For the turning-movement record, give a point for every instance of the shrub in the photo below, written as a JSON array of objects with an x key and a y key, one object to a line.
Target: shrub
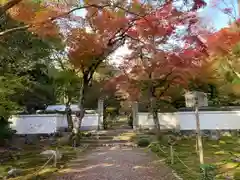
[
  {"x": 5, "y": 131},
  {"x": 208, "y": 171},
  {"x": 143, "y": 142},
  {"x": 87, "y": 134},
  {"x": 107, "y": 117},
  {"x": 163, "y": 138},
  {"x": 112, "y": 112},
  {"x": 154, "y": 147}
]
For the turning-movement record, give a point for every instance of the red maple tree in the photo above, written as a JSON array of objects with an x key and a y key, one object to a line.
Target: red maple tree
[{"x": 155, "y": 65}]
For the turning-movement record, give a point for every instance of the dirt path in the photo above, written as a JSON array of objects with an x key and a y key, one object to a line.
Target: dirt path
[{"x": 116, "y": 163}]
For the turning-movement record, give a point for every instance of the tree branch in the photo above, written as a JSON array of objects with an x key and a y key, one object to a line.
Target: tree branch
[
  {"x": 163, "y": 81},
  {"x": 61, "y": 64},
  {"x": 14, "y": 2},
  {"x": 8, "y": 31},
  {"x": 110, "y": 50},
  {"x": 49, "y": 19}
]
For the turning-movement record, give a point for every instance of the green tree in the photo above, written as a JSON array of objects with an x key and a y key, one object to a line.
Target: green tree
[
  {"x": 9, "y": 85},
  {"x": 40, "y": 91},
  {"x": 26, "y": 55},
  {"x": 23, "y": 77}
]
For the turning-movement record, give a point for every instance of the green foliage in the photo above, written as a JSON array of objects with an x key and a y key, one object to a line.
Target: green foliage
[
  {"x": 105, "y": 124},
  {"x": 5, "y": 131},
  {"x": 67, "y": 84},
  {"x": 208, "y": 171},
  {"x": 86, "y": 134},
  {"x": 92, "y": 95},
  {"x": 24, "y": 55},
  {"x": 143, "y": 142},
  {"x": 40, "y": 92},
  {"x": 10, "y": 84},
  {"x": 111, "y": 112},
  {"x": 24, "y": 83}
]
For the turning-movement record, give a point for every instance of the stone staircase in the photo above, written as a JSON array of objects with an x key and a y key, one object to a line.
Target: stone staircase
[
  {"x": 121, "y": 125},
  {"x": 120, "y": 134}
]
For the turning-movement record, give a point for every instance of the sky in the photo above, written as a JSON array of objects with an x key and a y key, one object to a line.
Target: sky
[{"x": 218, "y": 18}]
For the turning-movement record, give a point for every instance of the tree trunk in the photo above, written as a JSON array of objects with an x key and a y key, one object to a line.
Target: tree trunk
[
  {"x": 154, "y": 112},
  {"x": 77, "y": 121},
  {"x": 69, "y": 116},
  {"x": 153, "y": 105},
  {"x": 68, "y": 111}
]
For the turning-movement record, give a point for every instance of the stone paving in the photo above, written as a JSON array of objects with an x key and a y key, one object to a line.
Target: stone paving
[{"x": 116, "y": 163}]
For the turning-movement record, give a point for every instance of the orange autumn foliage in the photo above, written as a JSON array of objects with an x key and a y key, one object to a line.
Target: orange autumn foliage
[
  {"x": 23, "y": 11},
  {"x": 38, "y": 17},
  {"x": 223, "y": 58},
  {"x": 223, "y": 41},
  {"x": 49, "y": 28},
  {"x": 84, "y": 47}
]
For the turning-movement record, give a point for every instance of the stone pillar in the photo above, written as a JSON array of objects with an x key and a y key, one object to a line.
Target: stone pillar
[
  {"x": 100, "y": 114},
  {"x": 135, "y": 114}
]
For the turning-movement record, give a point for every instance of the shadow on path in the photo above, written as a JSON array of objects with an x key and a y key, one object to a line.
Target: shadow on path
[{"x": 116, "y": 163}]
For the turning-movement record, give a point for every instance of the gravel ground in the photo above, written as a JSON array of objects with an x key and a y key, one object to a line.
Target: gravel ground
[{"x": 116, "y": 163}]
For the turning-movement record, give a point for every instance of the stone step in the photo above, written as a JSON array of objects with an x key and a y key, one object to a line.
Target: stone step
[
  {"x": 105, "y": 137},
  {"x": 120, "y": 123},
  {"x": 123, "y": 144},
  {"x": 122, "y": 127},
  {"x": 110, "y": 132},
  {"x": 116, "y": 137},
  {"x": 102, "y": 141}
]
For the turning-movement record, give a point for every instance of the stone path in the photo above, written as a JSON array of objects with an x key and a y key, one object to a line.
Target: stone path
[{"x": 116, "y": 163}]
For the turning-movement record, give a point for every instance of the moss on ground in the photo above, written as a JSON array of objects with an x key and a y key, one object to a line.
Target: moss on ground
[
  {"x": 217, "y": 153},
  {"x": 30, "y": 162}
]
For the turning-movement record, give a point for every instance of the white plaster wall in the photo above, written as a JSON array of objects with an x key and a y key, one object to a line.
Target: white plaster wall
[
  {"x": 210, "y": 120},
  {"x": 187, "y": 121},
  {"x": 166, "y": 120},
  {"x": 62, "y": 121},
  {"x": 89, "y": 120},
  {"x": 35, "y": 124},
  {"x": 48, "y": 123}
]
